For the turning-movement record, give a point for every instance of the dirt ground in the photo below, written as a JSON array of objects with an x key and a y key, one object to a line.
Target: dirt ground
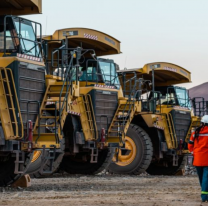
[{"x": 106, "y": 190}]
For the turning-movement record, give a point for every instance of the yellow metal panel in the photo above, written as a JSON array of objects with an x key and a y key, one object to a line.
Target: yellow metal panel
[
  {"x": 166, "y": 74},
  {"x": 4, "y": 113},
  {"x": 20, "y": 7},
  {"x": 102, "y": 43},
  {"x": 5, "y": 61},
  {"x": 46, "y": 139}
]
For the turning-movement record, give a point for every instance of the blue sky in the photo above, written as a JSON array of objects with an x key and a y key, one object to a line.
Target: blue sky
[{"x": 174, "y": 31}]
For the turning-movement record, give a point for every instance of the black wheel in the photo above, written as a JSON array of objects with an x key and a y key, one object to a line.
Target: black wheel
[
  {"x": 35, "y": 162},
  {"x": 139, "y": 145},
  {"x": 34, "y": 169},
  {"x": 35, "y": 166},
  {"x": 75, "y": 165},
  {"x": 167, "y": 168},
  {"x": 7, "y": 167}
]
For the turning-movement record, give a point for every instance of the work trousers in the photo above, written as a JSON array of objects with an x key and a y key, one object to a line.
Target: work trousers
[{"x": 203, "y": 179}]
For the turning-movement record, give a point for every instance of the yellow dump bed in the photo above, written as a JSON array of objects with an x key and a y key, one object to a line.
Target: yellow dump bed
[
  {"x": 165, "y": 73},
  {"x": 20, "y": 7},
  {"x": 102, "y": 43}
]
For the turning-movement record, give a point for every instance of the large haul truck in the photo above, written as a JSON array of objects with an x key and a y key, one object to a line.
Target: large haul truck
[
  {"x": 21, "y": 81},
  {"x": 158, "y": 144},
  {"x": 98, "y": 113}
]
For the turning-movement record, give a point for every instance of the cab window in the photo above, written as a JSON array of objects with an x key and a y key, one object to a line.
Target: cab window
[{"x": 27, "y": 38}]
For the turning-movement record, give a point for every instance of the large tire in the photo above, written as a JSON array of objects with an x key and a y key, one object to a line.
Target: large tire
[
  {"x": 7, "y": 167},
  {"x": 71, "y": 166},
  {"x": 34, "y": 169},
  {"x": 37, "y": 165},
  {"x": 158, "y": 168},
  {"x": 140, "y": 156}
]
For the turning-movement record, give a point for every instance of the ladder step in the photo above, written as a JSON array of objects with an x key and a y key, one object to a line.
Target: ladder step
[
  {"x": 113, "y": 136},
  {"x": 52, "y": 109},
  {"x": 53, "y": 101},
  {"x": 111, "y": 108},
  {"x": 48, "y": 117},
  {"x": 20, "y": 162},
  {"x": 48, "y": 125},
  {"x": 56, "y": 92},
  {"x": 120, "y": 120}
]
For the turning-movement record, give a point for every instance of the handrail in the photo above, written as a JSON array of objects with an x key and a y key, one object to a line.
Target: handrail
[
  {"x": 20, "y": 19},
  {"x": 16, "y": 101},
  {"x": 92, "y": 111},
  {"x": 93, "y": 116},
  {"x": 200, "y": 108},
  {"x": 131, "y": 99},
  {"x": 67, "y": 79},
  {"x": 173, "y": 130},
  {"x": 169, "y": 127}
]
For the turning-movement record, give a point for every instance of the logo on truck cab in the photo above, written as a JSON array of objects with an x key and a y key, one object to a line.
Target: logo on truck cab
[{"x": 170, "y": 69}]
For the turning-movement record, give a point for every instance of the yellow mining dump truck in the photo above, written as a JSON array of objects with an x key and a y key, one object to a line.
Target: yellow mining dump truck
[
  {"x": 158, "y": 143},
  {"x": 22, "y": 75},
  {"x": 84, "y": 92}
]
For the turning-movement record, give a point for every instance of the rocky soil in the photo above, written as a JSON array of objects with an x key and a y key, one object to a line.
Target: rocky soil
[{"x": 106, "y": 189}]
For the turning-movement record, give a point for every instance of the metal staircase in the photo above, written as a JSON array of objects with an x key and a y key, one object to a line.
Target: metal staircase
[
  {"x": 10, "y": 120},
  {"x": 121, "y": 121},
  {"x": 57, "y": 94},
  {"x": 125, "y": 112},
  {"x": 169, "y": 131},
  {"x": 87, "y": 117}
]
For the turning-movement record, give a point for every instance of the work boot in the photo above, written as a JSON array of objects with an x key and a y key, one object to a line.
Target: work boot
[{"x": 204, "y": 198}]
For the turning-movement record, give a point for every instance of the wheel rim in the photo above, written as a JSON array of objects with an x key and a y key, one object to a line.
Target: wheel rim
[
  {"x": 124, "y": 160},
  {"x": 36, "y": 155}
]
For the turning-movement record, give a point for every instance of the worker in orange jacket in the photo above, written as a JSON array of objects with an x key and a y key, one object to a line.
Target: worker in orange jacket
[{"x": 198, "y": 146}]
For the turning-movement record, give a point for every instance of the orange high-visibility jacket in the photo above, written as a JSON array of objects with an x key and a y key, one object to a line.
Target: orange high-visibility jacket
[{"x": 199, "y": 147}]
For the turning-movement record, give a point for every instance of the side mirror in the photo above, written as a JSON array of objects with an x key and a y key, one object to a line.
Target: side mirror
[{"x": 93, "y": 56}]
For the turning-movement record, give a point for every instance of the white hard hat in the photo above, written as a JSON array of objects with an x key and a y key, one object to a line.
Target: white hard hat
[{"x": 205, "y": 119}]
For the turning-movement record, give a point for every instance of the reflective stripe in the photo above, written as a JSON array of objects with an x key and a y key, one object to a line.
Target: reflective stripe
[
  {"x": 201, "y": 135},
  {"x": 191, "y": 142},
  {"x": 204, "y": 193}
]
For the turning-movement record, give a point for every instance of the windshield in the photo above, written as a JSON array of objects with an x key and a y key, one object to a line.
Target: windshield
[
  {"x": 9, "y": 41},
  {"x": 109, "y": 73},
  {"x": 88, "y": 71},
  {"x": 28, "y": 42},
  {"x": 183, "y": 98},
  {"x": 171, "y": 96}
]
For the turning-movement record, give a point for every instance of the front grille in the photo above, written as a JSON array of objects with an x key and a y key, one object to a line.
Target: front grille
[
  {"x": 182, "y": 122},
  {"x": 31, "y": 88},
  {"x": 105, "y": 104}
]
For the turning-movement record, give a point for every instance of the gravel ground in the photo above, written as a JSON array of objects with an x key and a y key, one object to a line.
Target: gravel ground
[{"x": 106, "y": 190}]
